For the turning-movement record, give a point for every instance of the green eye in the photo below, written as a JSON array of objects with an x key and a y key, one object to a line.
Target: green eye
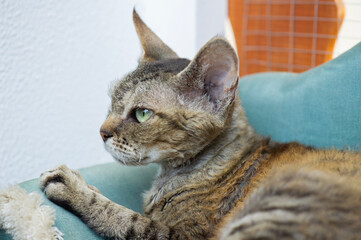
[{"x": 143, "y": 114}]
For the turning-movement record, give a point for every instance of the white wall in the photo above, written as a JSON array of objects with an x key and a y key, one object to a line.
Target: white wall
[
  {"x": 56, "y": 61},
  {"x": 211, "y": 19},
  {"x": 350, "y": 32},
  {"x": 173, "y": 21}
]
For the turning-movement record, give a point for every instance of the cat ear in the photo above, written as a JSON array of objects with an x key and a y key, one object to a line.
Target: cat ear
[
  {"x": 153, "y": 48},
  {"x": 214, "y": 71}
]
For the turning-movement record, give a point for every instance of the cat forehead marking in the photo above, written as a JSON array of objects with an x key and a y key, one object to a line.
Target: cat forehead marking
[
  {"x": 148, "y": 71},
  {"x": 143, "y": 81},
  {"x": 147, "y": 85}
]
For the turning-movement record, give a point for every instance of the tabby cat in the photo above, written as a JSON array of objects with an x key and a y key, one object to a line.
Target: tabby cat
[{"x": 218, "y": 179}]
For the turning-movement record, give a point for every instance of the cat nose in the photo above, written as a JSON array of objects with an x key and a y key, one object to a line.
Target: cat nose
[
  {"x": 108, "y": 128},
  {"x": 105, "y": 135}
]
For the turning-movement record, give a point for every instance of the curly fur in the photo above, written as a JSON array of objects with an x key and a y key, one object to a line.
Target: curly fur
[{"x": 25, "y": 218}]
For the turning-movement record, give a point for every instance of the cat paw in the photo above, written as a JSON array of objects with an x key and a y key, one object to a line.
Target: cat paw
[{"x": 63, "y": 185}]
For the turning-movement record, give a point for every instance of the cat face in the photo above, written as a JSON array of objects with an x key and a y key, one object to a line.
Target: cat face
[{"x": 169, "y": 108}]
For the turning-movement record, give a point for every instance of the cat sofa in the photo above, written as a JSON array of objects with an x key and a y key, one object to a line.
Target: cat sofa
[{"x": 320, "y": 107}]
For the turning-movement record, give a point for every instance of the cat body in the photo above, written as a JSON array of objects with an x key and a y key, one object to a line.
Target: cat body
[
  {"x": 218, "y": 179},
  {"x": 202, "y": 199}
]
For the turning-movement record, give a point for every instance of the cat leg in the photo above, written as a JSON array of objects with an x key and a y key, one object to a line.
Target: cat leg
[{"x": 68, "y": 189}]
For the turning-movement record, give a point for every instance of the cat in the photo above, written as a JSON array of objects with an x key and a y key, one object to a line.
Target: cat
[{"x": 218, "y": 179}]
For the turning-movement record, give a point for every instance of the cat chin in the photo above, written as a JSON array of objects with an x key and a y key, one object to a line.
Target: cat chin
[
  {"x": 123, "y": 158},
  {"x": 141, "y": 157},
  {"x": 129, "y": 159}
]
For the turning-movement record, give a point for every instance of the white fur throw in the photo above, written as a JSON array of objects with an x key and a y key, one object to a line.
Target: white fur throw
[{"x": 22, "y": 216}]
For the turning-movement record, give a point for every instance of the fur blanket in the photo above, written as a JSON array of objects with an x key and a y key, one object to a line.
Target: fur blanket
[{"x": 24, "y": 217}]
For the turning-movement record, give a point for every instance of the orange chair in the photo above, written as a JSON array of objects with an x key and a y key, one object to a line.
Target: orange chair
[{"x": 284, "y": 35}]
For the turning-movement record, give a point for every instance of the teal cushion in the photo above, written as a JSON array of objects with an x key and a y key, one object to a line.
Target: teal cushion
[
  {"x": 123, "y": 185},
  {"x": 320, "y": 107}
]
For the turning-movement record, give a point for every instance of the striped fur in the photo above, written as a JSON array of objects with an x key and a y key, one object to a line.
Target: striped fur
[{"x": 218, "y": 179}]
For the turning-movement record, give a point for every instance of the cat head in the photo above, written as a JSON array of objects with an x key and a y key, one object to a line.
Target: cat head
[{"x": 169, "y": 108}]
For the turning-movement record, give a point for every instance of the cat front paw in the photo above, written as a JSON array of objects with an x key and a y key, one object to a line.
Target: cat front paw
[{"x": 63, "y": 186}]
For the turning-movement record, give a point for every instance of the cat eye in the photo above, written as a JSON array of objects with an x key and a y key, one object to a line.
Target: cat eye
[{"x": 143, "y": 114}]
